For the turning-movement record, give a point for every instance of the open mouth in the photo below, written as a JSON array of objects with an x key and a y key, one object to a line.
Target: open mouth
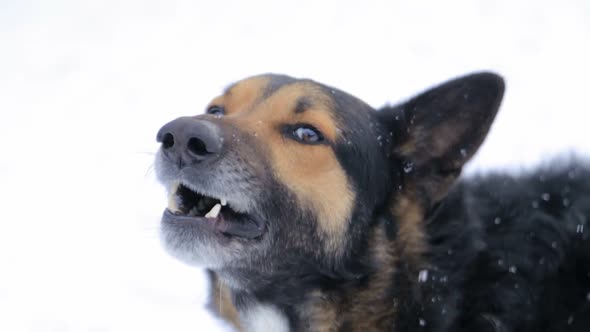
[{"x": 187, "y": 205}]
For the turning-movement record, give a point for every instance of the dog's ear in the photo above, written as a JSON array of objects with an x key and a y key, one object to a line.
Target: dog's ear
[{"x": 435, "y": 133}]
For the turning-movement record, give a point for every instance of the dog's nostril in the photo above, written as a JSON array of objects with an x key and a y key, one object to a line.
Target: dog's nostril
[
  {"x": 168, "y": 141},
  {"x": 197, "y": 147}
]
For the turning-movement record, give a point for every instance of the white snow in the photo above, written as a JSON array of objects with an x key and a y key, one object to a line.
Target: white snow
[
  {"x": 423, "y": 276},
  {"x": 85, "y": 85}
]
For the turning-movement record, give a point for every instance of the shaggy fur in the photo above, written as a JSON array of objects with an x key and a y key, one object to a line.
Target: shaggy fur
[
  {"x": 508, "y": 254},
  {"x": 312, "y": 211}
]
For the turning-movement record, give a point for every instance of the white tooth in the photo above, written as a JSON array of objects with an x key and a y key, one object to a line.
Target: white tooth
[
  {"x": 214, "y": 211},
  {"x": 172, "y": 198},
  {"x": 174, "y": 187},
  {"x": 223, "y": 202}
]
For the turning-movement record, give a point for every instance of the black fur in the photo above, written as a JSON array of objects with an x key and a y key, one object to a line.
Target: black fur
[
  {"x": 501, "y": 253},
  {"x": 508, "y": 254}
]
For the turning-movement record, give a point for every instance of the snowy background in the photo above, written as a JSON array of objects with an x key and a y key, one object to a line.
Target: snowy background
[{"x": 84, "y": 86}]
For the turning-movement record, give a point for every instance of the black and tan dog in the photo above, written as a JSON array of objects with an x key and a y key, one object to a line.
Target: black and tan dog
[{"x": 315, "y": 212}]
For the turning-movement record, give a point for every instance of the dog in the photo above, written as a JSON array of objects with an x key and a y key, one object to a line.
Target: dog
[{"x": 313, "y": 211}]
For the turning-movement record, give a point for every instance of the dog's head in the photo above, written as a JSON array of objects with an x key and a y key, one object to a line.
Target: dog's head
[{"x": 282, "y": 173}]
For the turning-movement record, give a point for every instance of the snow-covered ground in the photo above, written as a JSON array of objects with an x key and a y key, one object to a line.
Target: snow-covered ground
[{"x": 84, "y": 86}]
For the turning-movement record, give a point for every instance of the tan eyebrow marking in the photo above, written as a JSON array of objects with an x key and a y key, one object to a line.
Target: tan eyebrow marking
[{"x": 243, "y": 95}]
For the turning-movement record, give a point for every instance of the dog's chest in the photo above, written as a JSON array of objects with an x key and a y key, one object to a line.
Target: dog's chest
[{"x": 262, "y": 318}]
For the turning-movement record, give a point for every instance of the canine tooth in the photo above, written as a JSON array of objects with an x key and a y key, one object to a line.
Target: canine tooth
[
  {"x": 172, "y": 199},
  {"x": 223, "y": 202},
  {"x": 214, "y": 211}
]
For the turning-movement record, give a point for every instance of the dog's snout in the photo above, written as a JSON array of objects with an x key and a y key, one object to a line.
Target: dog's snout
[{"x": 190, "y": 140}]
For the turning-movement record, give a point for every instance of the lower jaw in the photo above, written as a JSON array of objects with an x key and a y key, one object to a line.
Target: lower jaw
[
  {"x": 246, "y": 229},
  {"x": 174, "y": 218}
]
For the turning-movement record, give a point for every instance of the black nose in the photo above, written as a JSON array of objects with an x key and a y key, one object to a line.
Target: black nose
[{"x": 188, "y": 140}]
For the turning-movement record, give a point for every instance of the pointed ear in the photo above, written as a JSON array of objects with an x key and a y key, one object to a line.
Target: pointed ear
[{"x": 436, "y": 132}]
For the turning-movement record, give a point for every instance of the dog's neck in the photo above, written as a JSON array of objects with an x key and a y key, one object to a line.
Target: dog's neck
[{"x": 304, "y": 303}]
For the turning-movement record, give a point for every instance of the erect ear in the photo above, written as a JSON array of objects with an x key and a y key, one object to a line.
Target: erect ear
[{"x": 436, "y": 132}]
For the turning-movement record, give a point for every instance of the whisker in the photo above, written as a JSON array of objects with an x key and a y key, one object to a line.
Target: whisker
[
  {"x": 149, "y": 170},
  {"x": 149, "y": 153}
]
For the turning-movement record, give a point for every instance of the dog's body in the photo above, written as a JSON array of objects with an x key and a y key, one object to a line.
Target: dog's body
[{"x": 314, "y": 212}]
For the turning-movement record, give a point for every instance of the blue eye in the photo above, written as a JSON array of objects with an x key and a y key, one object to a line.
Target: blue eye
[
  {"x": 307, "y": 134},
  {"x": 216, "y": 110}
]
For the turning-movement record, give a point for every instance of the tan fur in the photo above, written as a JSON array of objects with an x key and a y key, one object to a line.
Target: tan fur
[
  {"x": 409, "y": 214},
  {"x": 363, "y": 307},
  {"x": 312, "y": 172},
  {"x": 222, "y": 303},
  {"x": 425, "y": 144},
  {"x": 242, "y": 96},
  {"x": 260, "y": 114},
  {"x": 366, "y": 305},
  {"x": 322, "y": 313}
]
